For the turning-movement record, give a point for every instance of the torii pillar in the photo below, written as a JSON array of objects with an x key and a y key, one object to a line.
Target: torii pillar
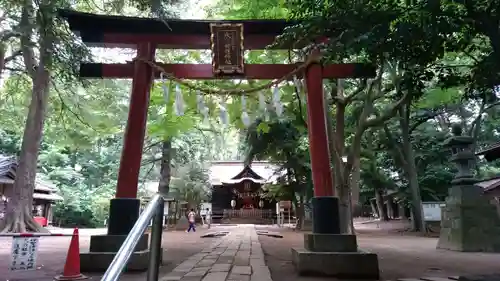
[
  {"x": 327, "y": 251},
  {"x": 124, "y": 208}
]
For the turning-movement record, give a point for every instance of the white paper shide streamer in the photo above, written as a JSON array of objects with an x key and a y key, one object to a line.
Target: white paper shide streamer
[
  {"x": 166, "y": 90},
  {"x": 297, "y": 84},
  {"x": 179, "y": 101},
  {"x": 278, "y": 106},
  {"x": 200, "y": 104},
  {"x": 202, "y": 107},
  {"x": 205, "y": 116},
  {"x": 245, "y": 119},
  {"x": 203, "y": 110},
  {"x": 263, "y": 106},
  {"x": 224, "y": 116}
]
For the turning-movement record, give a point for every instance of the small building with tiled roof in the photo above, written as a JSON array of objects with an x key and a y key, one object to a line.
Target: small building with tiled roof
[
  {"x": 490, "y": 186},
  {"x": 490, "y": 153},
  {"x": 44, "y": 195}
]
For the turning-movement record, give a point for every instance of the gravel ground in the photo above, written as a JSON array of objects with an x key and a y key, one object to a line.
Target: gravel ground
[
  {"x": 401, "y": 254},
  {"x": 177, "y": 245}
]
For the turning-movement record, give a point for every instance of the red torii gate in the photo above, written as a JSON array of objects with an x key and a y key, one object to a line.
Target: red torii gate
[{"x": 147, "y": 35}]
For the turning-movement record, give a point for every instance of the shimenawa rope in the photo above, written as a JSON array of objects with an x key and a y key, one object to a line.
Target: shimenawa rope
[{"x": 205, "y": 90}]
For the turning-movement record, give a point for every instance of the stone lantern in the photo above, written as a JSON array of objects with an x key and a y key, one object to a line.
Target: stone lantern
[
  {"x": 469, "y": 222},
  {"x": 462, "y": 155}
]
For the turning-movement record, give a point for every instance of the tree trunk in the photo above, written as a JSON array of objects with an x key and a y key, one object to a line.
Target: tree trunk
[
  {"x": 2, "y": 59},
  {"x": 336, "y": 148},
  {"x": 18, "y": 217},
  {"x": 341, "y": 188},
  {"x": 165, "y": 167},
  {"x": 411, "y": 171},
  {"x": 373, "y": 205},
  {"x": 351, "y": 175},
  {"x": 474, "y": 133},
  {"x": 379, "y": 199},
  {"x": 354, "y": 190}
]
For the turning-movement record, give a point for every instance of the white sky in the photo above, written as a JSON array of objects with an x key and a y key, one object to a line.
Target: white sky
[{"x": 195, "y": 10}]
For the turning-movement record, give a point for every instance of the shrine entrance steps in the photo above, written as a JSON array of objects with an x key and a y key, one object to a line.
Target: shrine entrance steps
[{"x": 258, "y": 221}]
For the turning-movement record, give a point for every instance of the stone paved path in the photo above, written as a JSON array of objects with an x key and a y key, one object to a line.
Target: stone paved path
[{"x": 235, "y": 257}]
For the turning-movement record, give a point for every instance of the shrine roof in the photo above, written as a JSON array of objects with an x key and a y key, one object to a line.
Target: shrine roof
[
  {"x": 44, "y": 189},
  {"x": 93, "y": 27},
  {"x": 489, "y": 185},
  {"x": 8, "y": 167},
  {"x": 227, "y": 172},
  {"x": 491, "y": 153}
]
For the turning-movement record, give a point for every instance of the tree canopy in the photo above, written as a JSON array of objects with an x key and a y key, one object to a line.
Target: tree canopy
[{"x": 437, "y": 64}]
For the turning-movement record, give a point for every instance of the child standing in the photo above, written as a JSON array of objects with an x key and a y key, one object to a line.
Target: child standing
[{"x": 191, "y": 219}]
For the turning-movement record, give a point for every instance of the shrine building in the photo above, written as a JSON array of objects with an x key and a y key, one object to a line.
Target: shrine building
[
  {"x": 491, "y": 186},
  {"x": 237, "y": 191}
]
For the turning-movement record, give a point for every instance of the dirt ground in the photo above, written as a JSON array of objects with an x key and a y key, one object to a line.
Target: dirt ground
[
  {"x": 177, "y": 245},
  {"x": 401, "y": 254}
]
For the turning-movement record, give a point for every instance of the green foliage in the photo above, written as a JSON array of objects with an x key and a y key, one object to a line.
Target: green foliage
[
  {"x": 284, "y": 144},
  {"x": 444, "y": 55},
  {"x": 191, "y": 184},
  {"x": 248, "y": 9}
]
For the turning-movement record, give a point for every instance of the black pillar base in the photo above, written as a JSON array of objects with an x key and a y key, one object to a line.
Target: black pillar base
[
  {"x": 325, "y": 213},
  {"x": 123, "y": 213},
  {"x": 329, "y": 253}
]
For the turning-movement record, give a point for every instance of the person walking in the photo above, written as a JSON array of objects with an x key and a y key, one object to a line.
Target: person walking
[
  {"x": 208, "y": 218},
  {"x": 191, "y": 219}
]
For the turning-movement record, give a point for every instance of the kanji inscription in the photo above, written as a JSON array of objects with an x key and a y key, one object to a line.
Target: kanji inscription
[
  {"x": 227, "y": 48},
  {"x": 24, "y": 250}
]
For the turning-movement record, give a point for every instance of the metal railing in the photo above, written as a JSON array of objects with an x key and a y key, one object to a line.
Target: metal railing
[{"x": 153, "y": 209}]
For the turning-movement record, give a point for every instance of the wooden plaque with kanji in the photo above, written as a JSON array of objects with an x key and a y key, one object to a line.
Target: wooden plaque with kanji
[{"x": 227, "y": 48}]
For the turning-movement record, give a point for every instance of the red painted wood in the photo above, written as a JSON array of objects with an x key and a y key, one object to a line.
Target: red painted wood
[
  {"x": 120, "y": 40},
  {"x": 318, "y": 138},
  {"x": 204, "y": 71},
  {"x": 130, "y": 163}
]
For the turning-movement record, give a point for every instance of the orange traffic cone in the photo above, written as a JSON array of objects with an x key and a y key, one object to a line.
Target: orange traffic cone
[{"x": 72, "y": 265}]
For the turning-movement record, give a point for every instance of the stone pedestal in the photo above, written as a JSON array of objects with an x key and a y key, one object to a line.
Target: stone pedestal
[
  {"x": 327, "y": 253},
  {"x": 469, "y": 221},
  {"x": 123, "y": 214},
  {"x": 335, "y": 255},
  {"x": 103, "y": 249}
]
